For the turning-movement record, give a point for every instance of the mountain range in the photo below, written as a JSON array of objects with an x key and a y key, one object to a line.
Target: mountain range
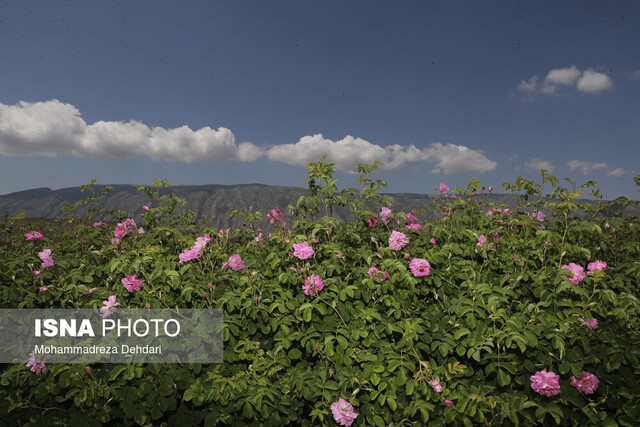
[{"x": 213, "y": 201}]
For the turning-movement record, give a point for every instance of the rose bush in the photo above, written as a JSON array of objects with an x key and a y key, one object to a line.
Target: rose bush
[{"x": 328, "y": 323}]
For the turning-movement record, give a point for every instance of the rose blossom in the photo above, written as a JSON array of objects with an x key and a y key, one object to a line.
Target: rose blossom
[
  {"x": 132, "y": 283},
  {"x": 545, "y": 383},
  {"x": 597, "y": 266},
  {"x": 312, "y": 285},
  {"x": 373, "y": 272},
  {"x": 398, "y": 240},
  {"x": 577, "y": 273},
  {"x": 37, "y": 366},
  {"x": 302, "y": 250},
  {"x": 444, "y": 189},
  {"x": 419, "y": 267},
  {"x": 384, "y": 213},
  {"x": 235, "y": 262},
  {"x": 436, "y": 386},
  {"x": 36, "y": 235},
  {"x": 45, "y": 256},
  {"x": 343, "y": 412},
  {"x": 109, "y": 305},
  {"x": 587, "y": 383}
]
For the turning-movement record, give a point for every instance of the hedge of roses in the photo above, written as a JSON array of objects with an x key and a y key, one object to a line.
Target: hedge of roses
[{"x": 484, "y": 316}]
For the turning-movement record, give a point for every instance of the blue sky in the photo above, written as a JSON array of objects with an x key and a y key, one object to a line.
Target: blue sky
[{"x": 231, "y": 92}]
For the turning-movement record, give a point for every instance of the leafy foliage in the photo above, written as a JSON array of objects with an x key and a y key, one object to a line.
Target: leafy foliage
[{"x": 487, "y": 317}]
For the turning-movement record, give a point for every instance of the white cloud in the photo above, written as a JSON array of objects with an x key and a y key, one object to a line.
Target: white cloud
[
  {"x": 562, "y": 80},
  {"x": 348, "y": 152},
  {"x": 592, "y": 81},
  {"x": 53, "y": 128},
  {"x": 586, "y": 167},
  {"x": 618, "y": 172},
  {"x": 50, "y": 128},
  {"x": 537, "y": 164},
  {"x": 563, "y": 76}
]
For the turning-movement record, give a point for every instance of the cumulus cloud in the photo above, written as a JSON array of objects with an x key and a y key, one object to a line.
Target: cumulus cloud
[
  {"x": 586, "y": 167},
  {"x": 537, "y": 164},
  {"x": 592, "y": 81},
  {"x": 348, "y": 152},
  {"x": 619, "y": 172},
  {"x": 51, "y": 127},
  {"x": 563, "y": 76},
  {"x": 562, "y": 80}
]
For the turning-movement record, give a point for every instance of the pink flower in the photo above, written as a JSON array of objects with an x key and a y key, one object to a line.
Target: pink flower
[
  {"x": 275, "y": 216},
  {"x": 436, "y": 386},
  {"x": 98, "y": 224},
  {"x": 607, "y": 226},
  {"x": 302, "y": 250},
  {"x": 374, "y": 272},
  {"x": 407, "y": 256},
  {"x": 124, "y": 227},
  {"x": 419, "y": 267},
  {"x": 384, "y": 214},
  {"x": 236, "y": 262},
  {"x": 109, "y": 305},
  {"x": 587, "y": 383},
  {"x": 540, "y": 216},
  {"x": 37, "y": 366},
  {"x": 545, "y": 383},
  {"x": 398, "y": 240},
  {"x": 225, "y": 265},
  {"x": 132, "y": 283},
  {"x": 45, "y": 257},
  {"x": 433, "y": 241},
  {"x": 491, "y": 188},
  {"x": 597, "y": 266},
  {"x": 411, "y": 218},
  {"x": 592, "y": 323},
  {"x": 448, "y": 402},
  {"x": 145, "y": 208},
  {"x": 196, "y": 250},
  {"x": 343, "y": 412},
  {"x": 201, "y": 242},
  {"x": 444, "y": 189},
  {"x": 88, "y": 368},
  {"x": 36, "y": 235},
  {"x": 312, "y": 285},
  {"x": 481, "y": 240},
  {"x": 338, "y": 256},
  {"x": 188, "y": 255},
  {"x": 577, "y": 273},
  {"x": 43, "y": 289},
  {"x": 373, "y": 221},
  {"x": 413, "y": 226},
  {"x": 36, "y": 272}
]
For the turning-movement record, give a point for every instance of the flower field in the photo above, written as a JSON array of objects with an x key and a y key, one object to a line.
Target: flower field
[{"x": 490, "y": 315}]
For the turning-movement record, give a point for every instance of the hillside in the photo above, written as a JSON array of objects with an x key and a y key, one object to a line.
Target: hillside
[{"x": 214, "y": 201}]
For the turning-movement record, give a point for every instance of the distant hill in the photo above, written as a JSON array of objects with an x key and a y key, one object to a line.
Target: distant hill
[{"x": 214, "y": 201}]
